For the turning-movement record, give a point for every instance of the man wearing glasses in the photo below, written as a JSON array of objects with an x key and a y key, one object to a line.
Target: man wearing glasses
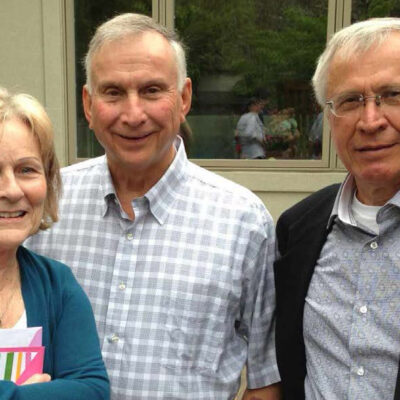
[{"x": 338, "y": 268}]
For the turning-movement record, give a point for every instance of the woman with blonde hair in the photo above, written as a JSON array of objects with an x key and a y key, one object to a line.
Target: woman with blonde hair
[{"x": 35, "y": 290}]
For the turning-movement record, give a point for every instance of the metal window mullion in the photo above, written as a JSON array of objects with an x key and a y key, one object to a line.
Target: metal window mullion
[{"x": 164, "y": 11}]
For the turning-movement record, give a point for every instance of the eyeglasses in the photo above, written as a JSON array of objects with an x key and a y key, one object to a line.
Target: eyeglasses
[{"x": 351, "y": 104}]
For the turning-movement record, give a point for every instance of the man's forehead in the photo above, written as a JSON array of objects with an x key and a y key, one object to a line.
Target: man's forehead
[
  {"x": 148, "y": 42},
  {"x": 380, "y": 61},
  {"x": 147, "y": 55},
  {"x": 357, "y": 48}
]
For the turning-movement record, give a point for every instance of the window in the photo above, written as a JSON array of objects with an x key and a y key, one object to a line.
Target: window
[
  {"x": 87, "y": 16},
  {"x": 362, "y": 9},
  {"x": 237, "y": 51},
  {"x": 245, "y": 51}
]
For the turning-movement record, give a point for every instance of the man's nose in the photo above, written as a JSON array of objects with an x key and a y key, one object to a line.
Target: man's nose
[
  {"x": 10, "y": 188},
  {"x": 372, "y": 117},
  {"x": 133, "y": 110}
]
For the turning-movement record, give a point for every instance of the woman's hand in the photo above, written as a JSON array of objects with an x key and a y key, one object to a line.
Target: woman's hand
[{"x": 38, "y": 378}]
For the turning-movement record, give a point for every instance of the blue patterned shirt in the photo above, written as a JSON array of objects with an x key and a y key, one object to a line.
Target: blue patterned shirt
[
  {"x": 351, "y": 315},
  {"x": 184, "y": 294}
]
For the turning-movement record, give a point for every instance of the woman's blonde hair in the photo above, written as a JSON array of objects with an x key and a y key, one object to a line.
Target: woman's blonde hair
[{"x": 29, "y": 111}]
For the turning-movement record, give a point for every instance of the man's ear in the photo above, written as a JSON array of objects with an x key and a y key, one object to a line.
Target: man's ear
[
  {"x": 87, "y": 104},
  {"x": 186, "y": 98}
]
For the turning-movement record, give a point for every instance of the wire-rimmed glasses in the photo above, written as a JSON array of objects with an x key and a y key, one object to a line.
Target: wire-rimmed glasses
[{"x": 351, "y": 104}]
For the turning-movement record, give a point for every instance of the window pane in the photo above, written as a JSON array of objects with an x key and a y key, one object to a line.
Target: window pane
[
  {"x": 362, "y": 9},
  {"x": 88, "y": 15},
  {"x": 240, "y": 49}
]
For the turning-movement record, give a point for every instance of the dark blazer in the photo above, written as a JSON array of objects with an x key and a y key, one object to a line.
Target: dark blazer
[{"x": 301, "y": 233}]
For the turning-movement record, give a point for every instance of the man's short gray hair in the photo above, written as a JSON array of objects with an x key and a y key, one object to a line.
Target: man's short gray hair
[
  {"x": 131, "y": 24},
  {"x": 352, "y": 40}
]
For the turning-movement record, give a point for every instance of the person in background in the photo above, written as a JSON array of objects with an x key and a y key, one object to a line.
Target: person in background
[
  {"x": 250, "y": 131},
  {"x": 315, "y": 136},
  {"x": 284, "y": 125},
  {"x": 176, "y": 260},
  {"x": 186, "y": 133},
  {"x": 264, "y": 106},
  {"x": 338, "y": 272},
  {"x": 35, "y": 290}
]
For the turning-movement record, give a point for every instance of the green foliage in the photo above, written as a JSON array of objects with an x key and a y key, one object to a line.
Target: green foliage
[
  {"x": 216, "y": 34},
  {"x": 380, "y": 8},
  {"x": 242, "y": 37},
  {"x": 286, "y": 54},
  {"x": 364, "y": 9}
]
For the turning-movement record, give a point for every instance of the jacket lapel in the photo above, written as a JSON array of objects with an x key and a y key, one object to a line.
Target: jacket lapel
[{"x": 304, "y": 236}]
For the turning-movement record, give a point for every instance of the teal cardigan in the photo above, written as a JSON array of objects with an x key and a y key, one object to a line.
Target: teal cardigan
[{"x": 54, "y": 300}]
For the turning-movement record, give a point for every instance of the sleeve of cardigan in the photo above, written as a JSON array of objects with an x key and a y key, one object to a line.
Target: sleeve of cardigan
[{"x": 79, "y": 371}]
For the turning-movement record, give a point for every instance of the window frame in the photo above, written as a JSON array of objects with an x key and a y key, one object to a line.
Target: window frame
[{"x": 339, "y": 15}]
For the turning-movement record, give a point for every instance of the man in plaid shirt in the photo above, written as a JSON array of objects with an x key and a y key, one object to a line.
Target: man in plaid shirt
[{"x": 177, "y": 261}]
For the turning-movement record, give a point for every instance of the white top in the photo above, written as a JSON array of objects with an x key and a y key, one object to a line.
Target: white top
[
  {"x": 365, "y": 215},
  {"x": 22, "y": 322}
]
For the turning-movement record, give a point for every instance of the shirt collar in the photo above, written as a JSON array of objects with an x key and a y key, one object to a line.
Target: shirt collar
[
  {"x": 164, "y": 193},
  {"x": 342, "y": 206},
  {"x": 107, "y": 189},
  {"x": 395, "y": 200}
]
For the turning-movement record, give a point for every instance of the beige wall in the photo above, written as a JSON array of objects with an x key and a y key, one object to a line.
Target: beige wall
[
  {"x": 22, "y": 61},
  {"x": 33, "y": 57}
]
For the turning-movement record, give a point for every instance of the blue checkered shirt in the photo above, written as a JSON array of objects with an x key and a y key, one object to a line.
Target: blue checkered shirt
[
  {"x": 351, "y": 314},
  {"x": 184, "y": 294}
]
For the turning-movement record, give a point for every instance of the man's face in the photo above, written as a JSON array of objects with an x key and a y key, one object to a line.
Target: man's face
[
  {"x": 256, "y": 107},
  {"x": 135, "y": 108},
  {"x": 368, "y": 143}
]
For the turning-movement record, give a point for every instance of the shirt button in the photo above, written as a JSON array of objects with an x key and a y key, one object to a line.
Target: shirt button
[
  {"x": 360, "y": 371},
  {"x": 122, "y": 286},
  {"x": 363, "y": 309},
  {"x": 129, "y": 236},
  {"x": 113, "y": 338},
  {"x": 374, "y": 245}
]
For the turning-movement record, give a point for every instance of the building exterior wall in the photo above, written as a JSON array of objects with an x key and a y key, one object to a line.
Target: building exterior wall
[{"x": 32, "y": 45}]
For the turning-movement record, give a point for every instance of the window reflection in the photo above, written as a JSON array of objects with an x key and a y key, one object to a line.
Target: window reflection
[
  {"x": 250, "y": 132},
  {"x": 237, "y": 50},
  {"x": 242, "y": 49},
  {"x": 362, "y": 9},
  {"x": 88, "y": 15}
]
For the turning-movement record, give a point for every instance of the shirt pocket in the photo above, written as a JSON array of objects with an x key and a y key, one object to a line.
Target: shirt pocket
[{"x": 197, "y": 325}]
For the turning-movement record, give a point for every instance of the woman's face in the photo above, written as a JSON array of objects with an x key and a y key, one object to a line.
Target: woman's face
[{"x": 23, "y": 186}]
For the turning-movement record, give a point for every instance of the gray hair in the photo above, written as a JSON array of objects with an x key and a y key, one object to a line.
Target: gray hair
[
  {"x": 352, "y": 40},
  {"x": 131, "y": 24}
]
